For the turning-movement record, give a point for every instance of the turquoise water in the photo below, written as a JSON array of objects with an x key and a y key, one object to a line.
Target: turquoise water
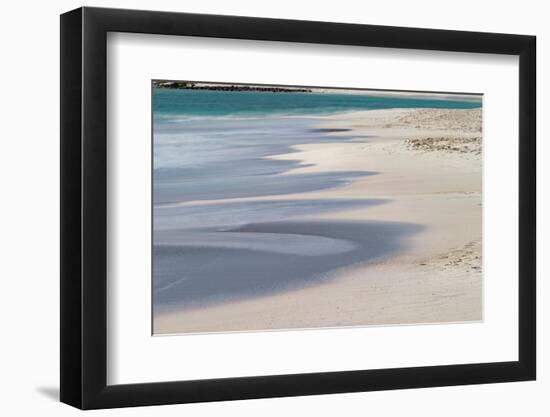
[{"x": 173, "y": 102}]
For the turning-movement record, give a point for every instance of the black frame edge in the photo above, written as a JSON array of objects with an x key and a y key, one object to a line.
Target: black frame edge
[
  {"x": 94, "y": 208},
  {"x": 303, "y": 31},
  {"x": 83, "y": 208},
  {"x": 528, "y": 207},
  {"x": 70, "y": 219}
]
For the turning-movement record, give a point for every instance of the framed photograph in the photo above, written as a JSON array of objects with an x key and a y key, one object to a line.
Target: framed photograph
[{"x": 258, "y": 208}]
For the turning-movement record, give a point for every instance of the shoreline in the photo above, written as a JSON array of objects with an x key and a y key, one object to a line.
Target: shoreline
[{"x": 437, "y": 279}]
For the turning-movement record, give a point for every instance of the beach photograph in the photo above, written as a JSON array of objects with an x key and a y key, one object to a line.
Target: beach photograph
[{"x": 297, "y": 207}]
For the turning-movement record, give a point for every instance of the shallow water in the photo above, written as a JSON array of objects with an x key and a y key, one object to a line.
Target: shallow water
[
  {"x": 220, "y": 158},
  {"x": 222, "y": 250},
  {"x": 286, "y": 255}
]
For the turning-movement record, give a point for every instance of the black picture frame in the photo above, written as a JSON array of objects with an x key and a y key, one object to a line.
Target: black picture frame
[{"x": 84, "y": 207}]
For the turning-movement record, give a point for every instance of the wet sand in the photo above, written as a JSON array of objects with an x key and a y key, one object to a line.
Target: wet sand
[{"x": 435, "y": 277}]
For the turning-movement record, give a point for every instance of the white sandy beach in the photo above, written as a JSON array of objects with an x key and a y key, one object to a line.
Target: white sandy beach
[{"x": 429, "y": 166}]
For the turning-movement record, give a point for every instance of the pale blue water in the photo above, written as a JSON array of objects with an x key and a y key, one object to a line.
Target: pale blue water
[{"x": 210, "y": 147}]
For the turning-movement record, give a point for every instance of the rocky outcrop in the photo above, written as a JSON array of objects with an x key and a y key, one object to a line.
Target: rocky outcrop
[{"x": 227, "y": 87}]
